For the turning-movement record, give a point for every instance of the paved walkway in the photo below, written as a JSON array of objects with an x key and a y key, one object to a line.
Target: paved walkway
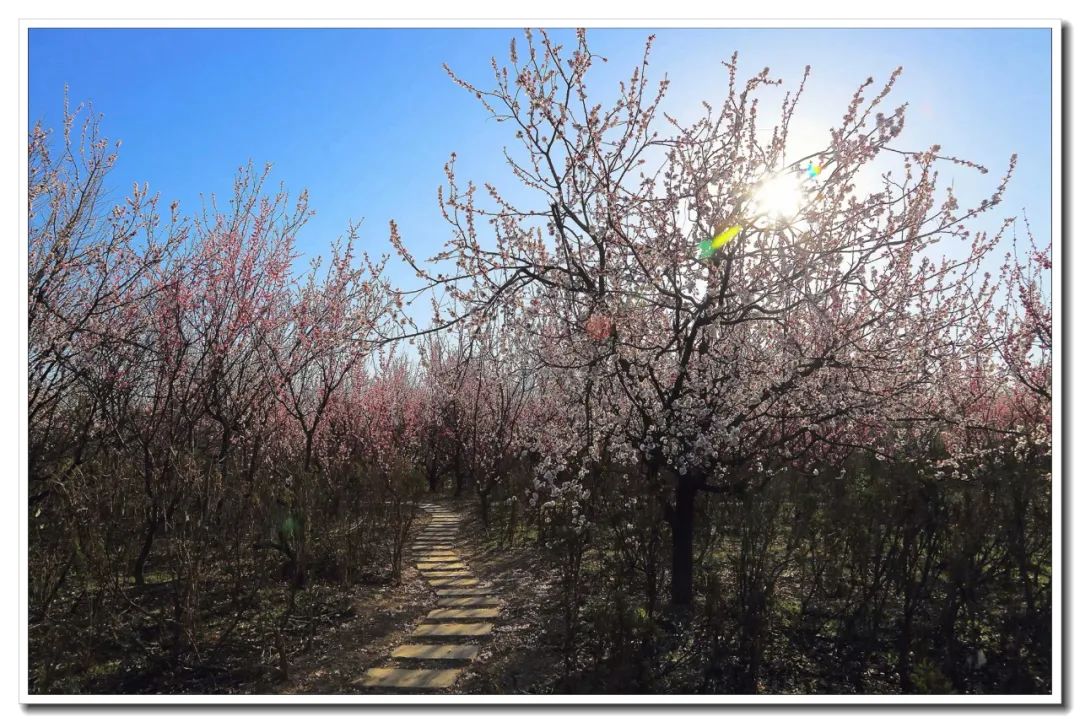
[{"x": 448, "y": 638}]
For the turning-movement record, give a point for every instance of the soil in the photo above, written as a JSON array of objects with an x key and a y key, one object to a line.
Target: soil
[
  {"x": 340, "y": 631},
  {"x": 520, "y": 657}
]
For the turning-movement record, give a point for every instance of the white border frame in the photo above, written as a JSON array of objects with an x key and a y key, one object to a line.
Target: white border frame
[{"x": 1056, "y": 696}]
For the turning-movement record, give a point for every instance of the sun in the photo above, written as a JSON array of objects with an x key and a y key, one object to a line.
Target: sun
[{"x": 778, "y": 199}]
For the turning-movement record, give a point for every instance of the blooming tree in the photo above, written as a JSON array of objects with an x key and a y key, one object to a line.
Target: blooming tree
[{"x": 825, "y": 312}]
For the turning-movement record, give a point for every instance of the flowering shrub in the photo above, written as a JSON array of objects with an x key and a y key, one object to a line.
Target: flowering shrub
[{"x": 599, "y": 327}]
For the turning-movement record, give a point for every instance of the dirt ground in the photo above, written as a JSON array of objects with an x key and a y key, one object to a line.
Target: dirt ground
[
  {"x": 520, "y": 657},
  {"x": 339, "y": 656}
]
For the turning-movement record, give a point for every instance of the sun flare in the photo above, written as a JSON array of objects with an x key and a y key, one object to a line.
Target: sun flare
[{"x": 779, "y": 198}]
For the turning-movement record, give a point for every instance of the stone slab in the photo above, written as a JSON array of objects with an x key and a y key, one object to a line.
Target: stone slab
[
  {"x": 455, "y": 652},
  {"x": 438, "y": 566},
  {"x": 447, "y": 583},
  {"x": 470, "y": 601},
  {"x": 410, "y": 678},
  {"x": 452, "y": 574},
  {"x": 462, "y": 613},
  {"x": 462, "y": 591},
  {"x": 450, "y": 629}
]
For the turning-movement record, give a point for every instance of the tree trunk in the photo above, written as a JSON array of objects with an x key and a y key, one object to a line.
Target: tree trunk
[
  {"x": 681, "y": 518},
  {"x": 511, "y": 525},
  {"x": 459, "y": 483},
  {"x": 484, "y": 494},
  {"x": 906, "y": 686},
  {"x": 652, "y": 570},
  {"x": 138, "y": 570},
  {"x": 309, "y": 448}
]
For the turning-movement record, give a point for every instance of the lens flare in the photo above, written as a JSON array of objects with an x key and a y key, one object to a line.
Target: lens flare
[{"x": 709, "y": 247}]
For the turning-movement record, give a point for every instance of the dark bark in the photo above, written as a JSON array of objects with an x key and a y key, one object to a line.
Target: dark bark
[
  {"x": 459, "y": 475},
  {"x": 483, "y": 492},
  {"x": 681, "y": 519},
  {"x": 139, "y": 569},
  {"x": 652, "y": 570},
  {"x": 904, "y": 652},
  {"x": 38, "y": 615},
  {"x": 511, "y": 526}
]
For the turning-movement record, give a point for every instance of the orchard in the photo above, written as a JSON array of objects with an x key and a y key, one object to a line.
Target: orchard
[{"x": 771, "y": 423}]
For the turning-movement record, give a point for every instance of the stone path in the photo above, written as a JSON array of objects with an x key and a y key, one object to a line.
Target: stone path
[{"x": 448, "y": 638}]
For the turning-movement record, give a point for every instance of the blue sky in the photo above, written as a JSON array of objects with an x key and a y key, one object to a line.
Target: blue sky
[{"x": 366, "y": 118}]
